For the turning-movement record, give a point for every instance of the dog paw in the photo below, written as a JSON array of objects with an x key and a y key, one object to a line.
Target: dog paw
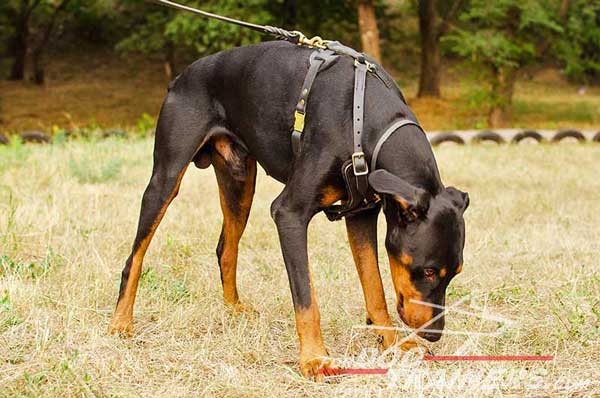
[
  {"x": 317, "y": 368},
  {"x": 387, "y": 338},
  {"x": 239, "y": 308},
  {"x": 414, "y": 347},
  {"x": 121, "y": 326}
]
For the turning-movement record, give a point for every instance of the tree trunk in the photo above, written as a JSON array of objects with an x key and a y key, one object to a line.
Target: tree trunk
[
  {"x": 21, "y": 38},
  {"x": 503, "y": 86},
  {"x": 429, "y": 79},
  {"x": 39, "y": 77},
  {"x": 563, "y": 12},
  {"x": 369, "y": 34},
  {"x": 288, "y": 14},
  {"x": 38, "y": 50},
  {"x": 170, "y": 61}
]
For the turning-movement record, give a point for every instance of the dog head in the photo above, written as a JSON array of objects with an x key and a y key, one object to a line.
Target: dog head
[{"x": 425, "y": 240}]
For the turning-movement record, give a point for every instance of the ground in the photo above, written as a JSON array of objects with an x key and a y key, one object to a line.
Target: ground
[
  {"x": 109, "y": 91},
  {"x": 69, "y": 213}
]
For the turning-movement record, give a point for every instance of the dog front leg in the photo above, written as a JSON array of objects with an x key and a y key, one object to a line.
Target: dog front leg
[
  {"x": 292, "y": 229},
  {"x": 362, "y": 235}
]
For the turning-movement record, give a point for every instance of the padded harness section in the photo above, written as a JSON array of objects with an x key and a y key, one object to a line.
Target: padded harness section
[{"x": 356, "y": 201}]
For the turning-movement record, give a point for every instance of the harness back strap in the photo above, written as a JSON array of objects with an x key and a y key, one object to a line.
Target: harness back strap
[
  {"x": 387, "y": 134},
  {"x": 317, "y": 59}
]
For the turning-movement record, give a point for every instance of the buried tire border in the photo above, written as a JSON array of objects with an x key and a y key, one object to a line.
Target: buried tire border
[
  {"x": 446, "y": 137},
  {"x": 528, "y": 134},
  {"x": 37, "y": 137},
  {"x": 488, "y": 135},
  {"x": 578, "y": 135}
]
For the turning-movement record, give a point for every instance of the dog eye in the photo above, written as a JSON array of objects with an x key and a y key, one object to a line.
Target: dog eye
[{"x": 429, "y": 273}]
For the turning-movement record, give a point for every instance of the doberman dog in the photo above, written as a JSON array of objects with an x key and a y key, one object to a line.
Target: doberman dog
[{"x": 234, "y": 109}]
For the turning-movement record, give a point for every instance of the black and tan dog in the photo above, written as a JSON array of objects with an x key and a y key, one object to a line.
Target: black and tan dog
[{"x": 234, "y": 109}]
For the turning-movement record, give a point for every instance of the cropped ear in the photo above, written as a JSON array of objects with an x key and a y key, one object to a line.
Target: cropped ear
[
  {"x": 458, "y": 198},
  {"x": 414, "y": 200}
]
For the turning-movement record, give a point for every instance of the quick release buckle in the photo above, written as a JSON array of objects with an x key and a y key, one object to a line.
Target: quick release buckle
[{"x": 359, "y": 164}]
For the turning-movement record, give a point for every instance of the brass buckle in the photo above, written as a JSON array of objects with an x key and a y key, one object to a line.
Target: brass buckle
[
  {"x": 298, "y": 122},
  {"x": 370, "y": 66},
  {"x": 363, "y": 169}
]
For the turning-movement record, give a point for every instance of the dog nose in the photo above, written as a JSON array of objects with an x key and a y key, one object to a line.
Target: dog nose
[{"x": 430, "y": 336}]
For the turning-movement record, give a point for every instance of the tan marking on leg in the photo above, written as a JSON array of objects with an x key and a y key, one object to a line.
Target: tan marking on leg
[
  {"x": 122, "y": 320},
  {"x": 222, "y": 145},
  {"x": 365, "y": 259},
  {"x": 313, "y": 354},
  {"x": 459, "y": 268},
  {"x": 233, "y": 228}
]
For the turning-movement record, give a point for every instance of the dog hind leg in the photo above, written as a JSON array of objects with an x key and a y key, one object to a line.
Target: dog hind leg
[
  {"x": 236, "y": 190},
  {"x": 179, "y": 135}
]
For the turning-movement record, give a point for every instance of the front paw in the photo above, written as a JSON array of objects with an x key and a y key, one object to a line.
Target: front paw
[
  {"x": 317, "y": 366},
  {"x": 387, "y": 338},
  {"x": 123, "y": 326},
  {"x": 238, "y": 308},
  {"x": 414, "y": 347}
]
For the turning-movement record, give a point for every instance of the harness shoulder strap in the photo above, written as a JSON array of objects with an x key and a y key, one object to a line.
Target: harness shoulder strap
[{"x": 317, "y": 59}]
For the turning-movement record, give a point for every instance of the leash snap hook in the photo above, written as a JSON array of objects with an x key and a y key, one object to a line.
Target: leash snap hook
[
  {"x": 359, "y": 164},
  {"x": 316, "y": 41}
]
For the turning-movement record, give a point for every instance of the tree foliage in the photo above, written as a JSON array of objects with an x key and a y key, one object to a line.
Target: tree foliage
[
  {"x": 33, "y": 23},
  {"x": 6, "y": 29},
  {"x": 496, "y": 39},
  {"x": 158, "y": 30},
  {"x": 503, "y": 33},
  {"x": 579, "y": 48},
  {"x": 501, "y": 37},
  {"x": 159, "y": 27}
]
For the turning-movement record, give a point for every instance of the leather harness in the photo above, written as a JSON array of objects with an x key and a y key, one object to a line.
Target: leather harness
[{"x": 355, "y": 171}]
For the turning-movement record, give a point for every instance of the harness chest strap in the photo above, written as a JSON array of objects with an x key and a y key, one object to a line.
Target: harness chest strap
[
  {"x": 396, "y": 125},
  {"x": 359, "y": 162}
]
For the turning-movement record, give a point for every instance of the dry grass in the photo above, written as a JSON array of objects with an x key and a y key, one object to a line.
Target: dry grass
[
  {"x": 111, "y": 91},
  {"x": 531, "y": 256}
]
